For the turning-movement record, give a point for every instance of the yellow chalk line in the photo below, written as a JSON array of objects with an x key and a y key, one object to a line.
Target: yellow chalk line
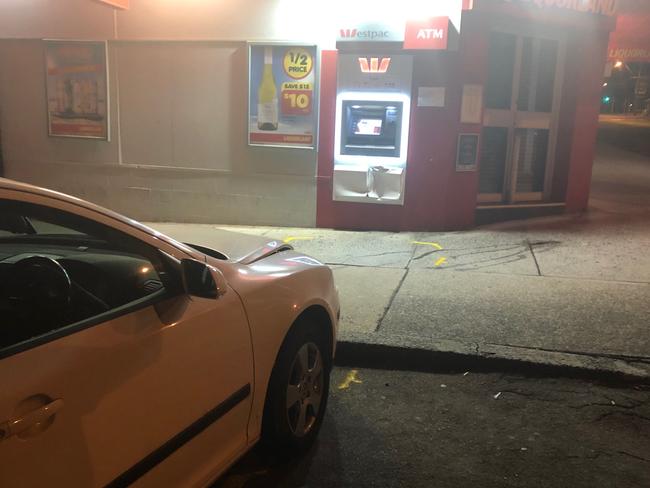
[
  {"x": 422, "y": 243},
  {"x": 349, "y": 379},
  {"x": 440, "y": 260},
  {"x": 289, "y": 239}
]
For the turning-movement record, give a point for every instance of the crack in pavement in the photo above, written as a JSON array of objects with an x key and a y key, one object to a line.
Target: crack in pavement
[
  {"x": 628, "y": 359},
  {"x": 598, "y": 454},
  {"x": 530, "y": 246},
  {"x": 462, "y": 255},
  {"x": 390, "y": 301},
  {"x": 634, "y": 456},
  {"x": 491, "y": 261},
  {"x": 414, "y": 248},
  {"x": 636, "y": 404},
  {"x": 619, "y": 412},
  {"x": 545, "y": 243},
  {"x": 424, "y": 255}
]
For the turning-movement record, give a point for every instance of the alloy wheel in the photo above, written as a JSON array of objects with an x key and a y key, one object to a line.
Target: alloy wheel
[{"x": 305, "y": 389}]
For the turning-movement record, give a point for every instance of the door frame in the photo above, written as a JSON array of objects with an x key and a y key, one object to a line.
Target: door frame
[{"x": 511, "y": 118}]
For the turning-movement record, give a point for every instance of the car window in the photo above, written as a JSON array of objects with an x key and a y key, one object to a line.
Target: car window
[
  {"x": 49, "y": 228},
  {"x": 58, "y": 269}
]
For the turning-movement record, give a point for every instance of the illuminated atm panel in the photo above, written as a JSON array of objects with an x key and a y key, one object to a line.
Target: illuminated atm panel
[{"x": 372, "y": 127}]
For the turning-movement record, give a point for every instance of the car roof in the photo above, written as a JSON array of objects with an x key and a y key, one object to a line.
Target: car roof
[{"x": 7, "y": 184}]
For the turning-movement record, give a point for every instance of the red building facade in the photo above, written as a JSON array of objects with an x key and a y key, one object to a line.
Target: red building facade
[{"x": 539, "y": 68}]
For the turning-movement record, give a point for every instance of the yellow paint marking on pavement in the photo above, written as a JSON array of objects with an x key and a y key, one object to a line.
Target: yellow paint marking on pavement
[
  {"x": 289, "y": 239},
  {"x": 349, "y": 379},
  {"x": 422, "y": 243},
  {"x": 441, "y": 261}
]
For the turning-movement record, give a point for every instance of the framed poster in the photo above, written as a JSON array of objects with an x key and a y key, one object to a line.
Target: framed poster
[
  {"x": 76, "y": 82},
  {"x": 282, "y": 95},
  {"x": 467, "y": 152}
]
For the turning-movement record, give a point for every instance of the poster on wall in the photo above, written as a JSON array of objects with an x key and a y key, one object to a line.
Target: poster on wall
[
  {"x": 76, "y": 85},
  {"x": 282, "y": 95}
]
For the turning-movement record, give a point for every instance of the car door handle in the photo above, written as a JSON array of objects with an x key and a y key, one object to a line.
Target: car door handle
[{"x": 20, "y": 424}]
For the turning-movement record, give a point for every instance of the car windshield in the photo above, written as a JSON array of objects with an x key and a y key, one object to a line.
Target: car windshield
[{"x": 16, "y": 223}]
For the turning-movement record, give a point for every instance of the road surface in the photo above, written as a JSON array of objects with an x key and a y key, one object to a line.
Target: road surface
[{"x": 423, "y": 429}]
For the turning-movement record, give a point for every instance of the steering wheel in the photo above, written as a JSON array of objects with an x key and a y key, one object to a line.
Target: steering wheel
[{"x": 42, "y": 287}]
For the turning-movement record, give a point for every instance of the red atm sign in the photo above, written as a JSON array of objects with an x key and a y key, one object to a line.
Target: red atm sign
[{"x": 432, "y": 33}]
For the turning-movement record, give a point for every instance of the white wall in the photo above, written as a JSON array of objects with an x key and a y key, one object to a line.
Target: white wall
[
  {"x": 178, "y": 147},
  {"x": 178, "y": 93}
]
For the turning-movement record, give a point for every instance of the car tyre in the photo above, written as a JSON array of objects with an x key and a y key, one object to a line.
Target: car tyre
[{"x": 297, "y": 396}]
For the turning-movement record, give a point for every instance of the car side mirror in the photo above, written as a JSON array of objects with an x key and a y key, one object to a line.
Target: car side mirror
[{"x": 202, "y": 280}]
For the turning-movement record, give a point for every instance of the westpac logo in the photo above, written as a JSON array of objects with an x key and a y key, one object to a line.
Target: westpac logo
[
  {"x": 348, "y": 33},
  {"x": 364, "y": 35},
  {"x": 431, "y": 34},
  {"x": 374, "y": 65}
]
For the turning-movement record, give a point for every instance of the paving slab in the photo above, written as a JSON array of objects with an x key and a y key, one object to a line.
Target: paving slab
[
  {"x": 611, "y": 240},
  {"x": 365, "y": 294},
  {"x": 620, "y": 256},
  {"x": 378, "y": 249},
  {"x": 486, "y": 251},
  {"x": 556, "y": 314},
  {"x": 597, "y": 245}
]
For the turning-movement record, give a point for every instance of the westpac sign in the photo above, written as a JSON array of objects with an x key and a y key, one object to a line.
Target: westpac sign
[{"x": 370, "y": 32}]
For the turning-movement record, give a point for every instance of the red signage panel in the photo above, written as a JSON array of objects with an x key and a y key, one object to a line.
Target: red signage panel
[
  {"x": 631, "y": 39},
  {"x": 431, "y": 33}
]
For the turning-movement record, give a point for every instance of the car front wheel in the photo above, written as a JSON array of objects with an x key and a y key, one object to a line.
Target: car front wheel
[{"x": 298, "y": 390}]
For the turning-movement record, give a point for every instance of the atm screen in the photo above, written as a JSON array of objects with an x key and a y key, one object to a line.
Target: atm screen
[
  {"x": 371, "y": 128},
  {"x": 368, "y": 127}
]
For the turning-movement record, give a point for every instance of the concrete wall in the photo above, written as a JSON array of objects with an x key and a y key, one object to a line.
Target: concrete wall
[
  {"x": 178, "y": 148},
  {"x": 178, "y": 138}
]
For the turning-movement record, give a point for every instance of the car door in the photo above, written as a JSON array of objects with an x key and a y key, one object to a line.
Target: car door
[{"x": 156, "y": 391}]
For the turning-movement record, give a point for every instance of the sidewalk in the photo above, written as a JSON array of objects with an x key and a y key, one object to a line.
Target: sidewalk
[{"x": 566, "y": 291}]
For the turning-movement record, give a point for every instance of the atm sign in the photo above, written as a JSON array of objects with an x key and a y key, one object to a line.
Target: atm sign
[{"x": 430, "y": 33}]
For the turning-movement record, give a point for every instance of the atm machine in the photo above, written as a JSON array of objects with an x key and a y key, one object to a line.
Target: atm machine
[{"x": 372, "y": 127}]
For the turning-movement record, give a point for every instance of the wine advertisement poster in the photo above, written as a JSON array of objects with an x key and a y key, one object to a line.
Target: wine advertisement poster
[
  {"x": 76, "y": 84},
  {"x": 281, "y": 98}
]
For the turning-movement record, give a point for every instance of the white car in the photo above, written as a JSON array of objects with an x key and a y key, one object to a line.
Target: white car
[{"x": 127, "y": 357}]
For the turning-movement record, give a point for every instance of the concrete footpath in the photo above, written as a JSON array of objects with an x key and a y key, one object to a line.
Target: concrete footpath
[{"x": 569, "y": 291}]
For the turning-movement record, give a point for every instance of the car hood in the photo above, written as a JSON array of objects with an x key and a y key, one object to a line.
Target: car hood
[{"x": 240, "y": 248}]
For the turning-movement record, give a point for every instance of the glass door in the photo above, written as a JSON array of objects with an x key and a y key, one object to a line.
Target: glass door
[{"x": 521, "y": 105}]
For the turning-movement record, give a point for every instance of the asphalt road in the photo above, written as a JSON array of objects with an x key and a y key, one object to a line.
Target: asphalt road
[
  {"x": 626, "y": 132},
  {"x": 411, "y": 429}
]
